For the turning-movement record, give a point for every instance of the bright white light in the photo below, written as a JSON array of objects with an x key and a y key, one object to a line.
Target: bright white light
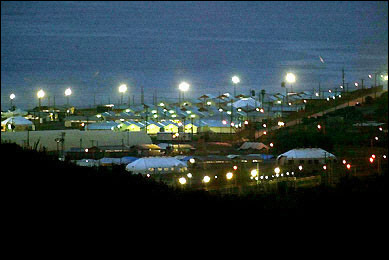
[
  {"x": 376, "y": 138},
  {"x": 254, "y": 173},
  {"x": 184, "y": 86},
  {"x": 271, "y": 144},
  {"x": 317, "y": 94},
  {"x": 220, "y": 110},
  {"x": 356, "y": 84},
  {"x": 229, "y": 175},
  {"x": 235, "y": 79},
  {"x": 122, "y": 88},
  {"x": 330, "y": 90},
  {"x": 370, "y": 76},
  {"x": 161, "y": 104},
  {"x": 41, "y": 94},
  {"x": 384, "y": 156},
  {"x": 280, "y": 123},
  {"x": 324, "y": 167},
  {"x": 277, "y": 170},
  {"x": 209, "y": 103},
  {"x": 182, "y": 180},
  {"x": 206, "y": 179},
  {"x": 386, "y": 77},
  {"x": 192, "y": 160},
  {"x": 300, "y": 167},
  {"x": 12, "y": 96},
  {"x": 68, "y": 92},
  {"x": 290, "y": 77},
  {"x": 189, "y": 175},
  {"x": 264, "y": 125},
  {"x": 224, "y": 122}
]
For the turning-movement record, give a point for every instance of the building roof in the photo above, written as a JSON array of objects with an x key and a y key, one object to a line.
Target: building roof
[
  {"x": 307, "y": 153},
  {"x": 17, "y": 120},
  {"x": 143, "y": 164}
]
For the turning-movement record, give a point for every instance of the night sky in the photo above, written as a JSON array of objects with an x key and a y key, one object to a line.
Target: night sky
[{"x": 93, "y": 47}]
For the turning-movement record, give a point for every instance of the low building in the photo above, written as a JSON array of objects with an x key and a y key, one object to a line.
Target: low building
[
  {"x": 17, "y": 123},
  {"x": 307, "y": 159}
]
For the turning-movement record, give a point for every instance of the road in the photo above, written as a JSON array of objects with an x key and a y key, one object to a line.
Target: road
[{"x": 318, "y": 114}]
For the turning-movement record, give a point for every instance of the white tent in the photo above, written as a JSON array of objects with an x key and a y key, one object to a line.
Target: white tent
[
  {"x": 307, "y": 153},
  {"x": 247, "y": 102},
  {"x": 87, "y": 162},
  {"x": 17, "y": 120},
  {"x": 156, "y": 165},
  {"x": 253, "y": 145}
]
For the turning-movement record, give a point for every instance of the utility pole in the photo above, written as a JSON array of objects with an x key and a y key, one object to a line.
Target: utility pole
[
  {"x": 343, "y": 78},
  {"x": 142, "y": 99}
]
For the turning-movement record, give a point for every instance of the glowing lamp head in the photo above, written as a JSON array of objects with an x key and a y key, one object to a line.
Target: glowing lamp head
[
  {"x": 271, "y": 144},
  {"x": 229, "y": 175},
  {"x": 235, "y": 79},
  {"x": 277, "y": 170},
  {"x": 324, "y": 167},
  {"x": 290, "y": 77},
  {"x": 122, "y": 88},
  {"x": 373, "y": 156},
  {"x": 183, "y": 86},
  {"x": 192, "y": 160},
  {"x": 344, "y": 161},
  {"x": 300, "y": 167},
  {"x": 206, "y": 179},
  {"x": 235, "y": 167},
  {"x": 12, "y": 96},
  {"x": 68, "y": 92},
  {"x": 319, "y": 126},
  {"x": 348, "y": 166},
  {"x": 182, "y": 180},
  {"x": 371, "y": 160},
  {"x": 40, "y": 94},
  {"x": 254, "y": 173}
]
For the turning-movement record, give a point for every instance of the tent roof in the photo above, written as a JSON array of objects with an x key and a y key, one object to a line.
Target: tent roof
[
  {"x": 143, "y": 164},
  {"x": 17, "y": 120},
  {"x": 307, "y": 153},
  {"x": 253, "y": 145}
]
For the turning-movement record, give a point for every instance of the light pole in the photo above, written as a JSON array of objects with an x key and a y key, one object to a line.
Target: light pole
[
  {"x": 183, "y": 87},
  {"x": 235, "y": 81},
  {"x": 40, "y": 95},
  {"x": 11, "y": 97},
  {"x": 122, "y": 90},
  {"x": 68, "y": 92},
  {"x": 290, "y": 78}
]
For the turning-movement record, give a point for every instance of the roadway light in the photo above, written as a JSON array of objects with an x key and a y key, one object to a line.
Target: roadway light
[
  {"x": 376, "y": 138},
  {"x": 254, "y": 173},
  {"x": 319, "y": 127},
  {"x": 192, "y": 160},
  {"x": 264, "y": 125},
  {"x": 122, "y": 90},
  {"x": 264, "y": 132},
  {"x": 386, "y": 77},
  {"x": 40, "y": 95},
  {"x": 271, "y": 144},
  {"x": 300, "y": 167},
  {"x": 380, "y": 128},
  {"x": 68, "y": 92},
  {"x": 290, "y": 78},
  {"x": 11, "y": 97},
  {"x": 261, "y": 110},
  {"x": 182, "y": 180},
  {"x": 277, "y": 170},
  {"x": 384, "y": 156},
  {"x": 189, "y": 175},
  {"x": 229, "y": 175},
  {"x": 348, "y": 166},
  {"x": 373, "y": 156},
  {"x": 324, "y": 167},
  {"x": 206, "y": 179},
  {"x": 344, "y": 161},
  {"x": 224, "y": 122},
  {"x": 370, "y": 76},
  {"x": 371, "y": 160},
  {"x": 235, "y": 167},
  {"x": 235, "y": 79},
  {"x": 356, "y": 84}
]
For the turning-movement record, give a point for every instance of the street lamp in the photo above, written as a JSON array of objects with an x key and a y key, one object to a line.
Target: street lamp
[
  {"x": 68, "y": 92},
  {"x": 183, "y": 87},
  {"x": 11, "y": 97},
  {"x": 40, "y": 95},
  {"x": 122, "y": 90},
  {"x": 235, "y": 80},
  {"x": 290, "y": 78}
]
